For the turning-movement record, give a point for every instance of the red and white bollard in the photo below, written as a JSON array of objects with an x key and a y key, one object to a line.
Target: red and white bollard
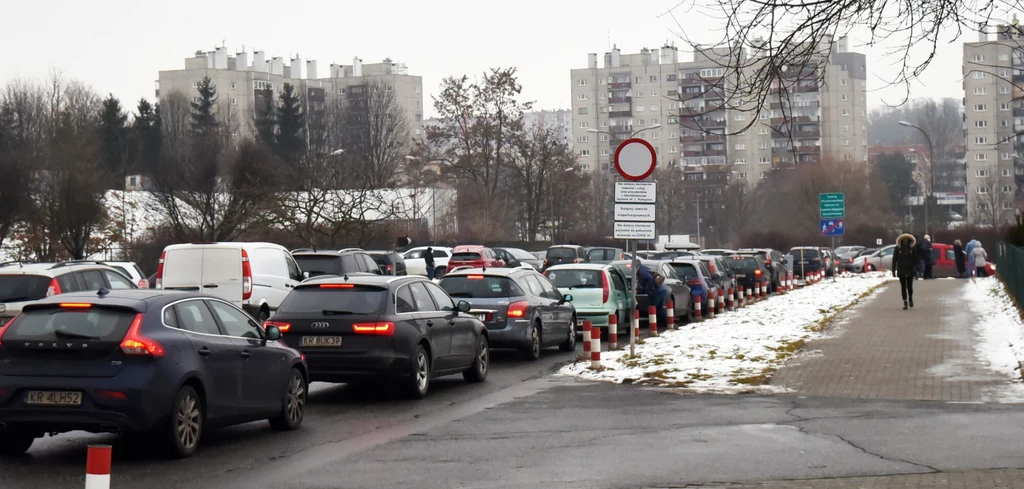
[
  {"x": 757, "y": 290},
  {"x": 670, "y": 314},
  {"x": 588, "y": 328},
  {"x": 750, "y": 296},
  {"x": 741, "y": 300},
  {"x": 712, "y": 304},
  {"x": 790, "y": 282},
  {"x": 652, "y": 320},
  {"x": 97, "y": 467},
  {"x": 729, "y": 300},
  {"x": 764, "y": 288},
  {"x": 698, "y": 308},
  {"x": 636, "y": 325},
  {"x": 721, "y": 302},
  {"x": 595, "y": 349},
  {"x": 613, "y": 331}
]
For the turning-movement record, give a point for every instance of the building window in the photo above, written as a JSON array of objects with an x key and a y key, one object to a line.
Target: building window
[
  {"x": 1005, "y": 123},
  {"x": 764, "y": 175},
  {"x": 419, "y": 117},
  {"x": 604, "y": 137},
  {"x": 762, "y": 130},
  {"x": 584, "y": 139},
  {"x": 846, "y": 127},
  {"x": 979, "y": 107},
  {"x": 581, "y": 82},
  {"x": 584, "y": 125},
  {"x": 979, "y": 90},
  {"x": 978, "y": 75},
  {"x": 641, "y": 122},
  {"x": 639, "y": 78},
  {"x": 654, "y": 93},
  {"x": 234, "y": 101},
  {"x": 740, "y": 161},
  {"x": 1004, "y": 89},
  {"x": 262, "y": 85},
  {"x": 601, "y": 81},
  {"x": 673, "y": 135},
  {"x": 581, "y": 111},
  {"x": 417, "y": 89},
  {"x": 654, "y": 121},
  {"x": 604, "y": 152},
  {"x": 740, "y": 146},
  {"x": 1005, "y": 156},
  {"x": 980, "y": 123},
  {"x": 982, "y": 207},
  {"x": 603, "y": 95},
  {"x": 1004, "y": 106},
  {"x": 639, "y": 108},
  {"x": 1006, "y": 172},
  {"x": 980, "y": 140},
  {"x": 638, "y": 94},
  {"x": 844, "y": 81},
  {"x": 232, "y": 85},
  {"x": 1004, "y": 57},
  {"x": 654, "y": 108},
  {"x": 585, "y": 166},
  {"x": 981, "y": 157},
  {"x": 1003, "y": 72},
  {"x": 1006, "y": 205},
  {"x": 846, "y": 142},
  {"x": 844, "y": 97},
  {"x": 654, "y": 136},
  {"x": 673, "y": 149},
  {"x": 982, "y": 189},
  {"x": 604, "y": 123},
  {"x": 765, "y": 145},
  {"x": 739, "y": 116},
  {"x": 581, "y": 96},
  {"x": 979, "y": 58},
  {"x": 672, "y": 120},
  {"x": 846, "y": 111},
  {"x": 584, "y": 152},
  {"x": 763, "y": 160},
  {"x": 981, "y": 173},
  {"x": 654, "y": 78}
]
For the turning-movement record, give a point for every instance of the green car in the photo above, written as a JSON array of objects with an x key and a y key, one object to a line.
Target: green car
[{"x": 598, "y": 291}]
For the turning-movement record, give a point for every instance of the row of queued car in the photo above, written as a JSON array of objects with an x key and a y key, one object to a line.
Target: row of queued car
[{"x": 234, "y": 332}]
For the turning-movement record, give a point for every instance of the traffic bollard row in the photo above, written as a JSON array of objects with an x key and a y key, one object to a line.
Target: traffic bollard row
[
  {"x": 670, "y": 313},
  {"x": 613, "y": 331}
]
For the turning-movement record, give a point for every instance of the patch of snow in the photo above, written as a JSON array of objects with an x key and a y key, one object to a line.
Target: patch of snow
[
  {"x": 717, "y": 354},
  {"x": 1000, "y": 344}
]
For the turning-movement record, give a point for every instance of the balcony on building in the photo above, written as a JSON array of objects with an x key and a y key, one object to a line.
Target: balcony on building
[
  {"x": 620, "y": 113},
  {"x": 808, "y": 149},
  {"x": 1018, "y": 112},
  {"x": 622, "y": 85},
  {"x": 805, "y": 87},
  {"x": 714, "y": 152},
  {"x": 714, "y": 138},
  {"x": 620, "y": 99},
  {"x": 692, "y": 138},
  {"x": 620, "y": 129}
]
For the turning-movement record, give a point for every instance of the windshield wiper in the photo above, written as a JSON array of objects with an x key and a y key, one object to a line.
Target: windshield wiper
[
  {"x": 70, "y": 334},
  {"x": 333, "y": 312}
]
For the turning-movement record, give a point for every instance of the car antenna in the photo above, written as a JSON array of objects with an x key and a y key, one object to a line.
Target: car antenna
[{"x": 345, "y": 277}]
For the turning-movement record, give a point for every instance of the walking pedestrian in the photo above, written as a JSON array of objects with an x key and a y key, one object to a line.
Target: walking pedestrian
[
  {"x": 980, "y": 260},
  {"x": 904, "y": 265},
  {"x": 969, "y": 250},
  {"x": 961, "y": 259},
  {"x": 428, "y": 261},
  {"x": 927, "y": 260},
  {"x": 653, "y": 285}
]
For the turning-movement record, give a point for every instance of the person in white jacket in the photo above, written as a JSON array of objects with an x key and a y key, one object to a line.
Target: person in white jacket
[{"x": 979, "y": 255}]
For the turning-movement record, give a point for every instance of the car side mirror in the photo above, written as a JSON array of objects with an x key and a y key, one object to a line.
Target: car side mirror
[
  {"x": 273, "y": 333},
  {"x": 566, "y": 298},
  {"x": 305, "y": 275},
  {"x": 464, "y": 306}
]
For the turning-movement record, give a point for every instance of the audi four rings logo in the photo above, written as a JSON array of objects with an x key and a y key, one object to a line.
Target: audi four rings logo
[{"x": 321, "y": 325}]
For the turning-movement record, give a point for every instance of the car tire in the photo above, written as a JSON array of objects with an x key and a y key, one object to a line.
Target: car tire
[
  {"x": 532, "y": 350},
  {"x": 185, "y": 427},
  {"x": 417, "y": 383},
  {"x": 293, "y": 406},
  {"x": 570, "y": 343},
  {"x": 15, "y": 444},
  {"x": 478, "y": 371}
]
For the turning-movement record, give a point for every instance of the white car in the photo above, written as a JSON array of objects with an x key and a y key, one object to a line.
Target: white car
[
  {"x": 254, "y": 276},
  {"x": 416, "y": 265},
  {"x": 132, "y": 270},
  {"x": 878, "y": 261}
]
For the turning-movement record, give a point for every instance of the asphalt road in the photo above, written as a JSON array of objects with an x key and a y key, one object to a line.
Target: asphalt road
[{"x": 338, "y": 415}]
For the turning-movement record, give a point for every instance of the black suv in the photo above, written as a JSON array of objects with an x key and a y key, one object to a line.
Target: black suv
[
  {"x": 776, "y": 263},
  {"x": 807, "y": 259},
  {"x": 561, "y": 254},
  {"x": 389, "y": 262},
  {"x": 335, "y": 262}
]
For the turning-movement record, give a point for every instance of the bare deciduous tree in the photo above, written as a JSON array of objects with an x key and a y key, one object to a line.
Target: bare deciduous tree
[{"x": 375, "y": 135}]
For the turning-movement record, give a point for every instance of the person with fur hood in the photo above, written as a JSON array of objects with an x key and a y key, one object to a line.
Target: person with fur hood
[{"x": 904, "y": 265}]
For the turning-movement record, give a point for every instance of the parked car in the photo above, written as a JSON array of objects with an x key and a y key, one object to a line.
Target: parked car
[
  {"x": 541, "y": 255},
  {"x": 389, "y": 262},
  {"x": 696, "y": 276},
  {"x": 522, "y": 257},
  {"x": 127, "y": 268},
  {"x": 22, "y": 283},
  {"x": 404, "y": 330},
  {"x": 846, "y": 252},
  {"x": 415, "y": 264},
  {"x": 561, "y": 254},
  {"x": 671, "y": 255},
  {"x": 253, "y": 276},
  {"x": 720, "y": 272},
  {"x": 603, "y": 254},
  {"x": 880, "y": 260},
  {"x": 170, "y": 365},
  {"x": 945, "y": 262},
  {"x": 678, "y": 291},
  {"x": 750, "y": 269},
  {"x": 850, "y": 264},
  {"x": 777, "y": 265},
  {"x": 336, "y": 262},
  {"x": 807, "y": 260},
  {"x": 474, "y": 256},
  {"x": 598, "y": 291},
  {"x": 520, "y": 308}
]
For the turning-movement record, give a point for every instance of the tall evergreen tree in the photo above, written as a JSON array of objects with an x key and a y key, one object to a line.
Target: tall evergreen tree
[
  {"x": 266, "y": 119},
  {"x": 291, "y": 125},
  {"x": 147, "y": 132},
  {"x": 204, "y": 120},
  {"x": 115, "y": 134}
]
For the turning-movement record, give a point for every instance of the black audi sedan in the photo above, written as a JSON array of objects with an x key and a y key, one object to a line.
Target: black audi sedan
[
  {"x": 164, "y": 363},
  {"x": 521, "y": 308},
  {"x": 401, "y": 329}
]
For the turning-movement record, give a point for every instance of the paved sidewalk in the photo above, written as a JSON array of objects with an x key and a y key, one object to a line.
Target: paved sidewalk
[
  {"x": 881, "y": 351},
  {"x": 976, "y": 479}
]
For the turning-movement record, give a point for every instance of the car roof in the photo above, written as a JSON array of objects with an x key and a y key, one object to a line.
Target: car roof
[
  {"x": 469, "y": 247},
  {"x": 340, "y": 252},
  {"x": 565, "y": 246},
  {"x": 490, "y": 272},
  {"x": 53, "y": 269},
  {"x": 580, "y": 266},
  {"x": 225, "y": 244},
  {"x": 361, "y": 279}
]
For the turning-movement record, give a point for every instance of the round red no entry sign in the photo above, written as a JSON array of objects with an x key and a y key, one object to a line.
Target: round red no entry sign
[{"x": 635, "y": 159}]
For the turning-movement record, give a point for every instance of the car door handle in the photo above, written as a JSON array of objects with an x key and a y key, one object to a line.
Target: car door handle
[
  {"x": 210, "y": 286},
  {"x": 204, "y": 351},
  {"x": 430, "y": 324},
  {"x": 246, "y": 354}
]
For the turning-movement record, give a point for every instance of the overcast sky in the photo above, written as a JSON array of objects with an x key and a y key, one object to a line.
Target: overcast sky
[{"x": 118, "y": 46}]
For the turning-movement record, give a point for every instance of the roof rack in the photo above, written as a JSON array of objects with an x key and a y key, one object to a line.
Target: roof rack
[
  {"x": 17, "y": 262},
  {"x": 343, "y": 250},
  {"x": 69, "y": 263}
]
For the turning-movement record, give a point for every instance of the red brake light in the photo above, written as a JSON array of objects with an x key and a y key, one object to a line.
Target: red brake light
[
  {"x": 136, "y": 344},
  {"x": 281, "y": 326},
  {"x": 5, "y": 326},
  {"x": 53, "y": 289},
  {"x": 337, "y": 286},
  {"x": 75, "y": 305},
  {"x": 605, "y": 289},
  {"x": 757, "y": 272},
  {"x": 160, "y": 271},
  {"x": 768, "y": 261},
  {"x": 246, "y": 276},
  {"x": 475, "y": 277},
  {"x": 112, "y": 394},
  {"x": 518, "y": 309},
  {"x": 378, "y": 329}
]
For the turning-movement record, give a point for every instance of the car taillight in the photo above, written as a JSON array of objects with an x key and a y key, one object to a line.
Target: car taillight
[
  {"x": 576, "y": 260},
  {"x": 160, "y": 271},
  {"x": 337, "y": 286},
  {"x": 377, "y": 329},
  {"x": 53, "y": 289},
  {"x": 518, "y": 309},
  {"x": 143, "y": 284},
  {"x": 851, "y": 260},
  {"x": 246, "y": 277},
  {"x": 694, "y": 281},
  {"x": 605, "y": 289},
  {"x": 545, "y": 265},
  {"x": 281, "y": 326},
  {"x": 134, "y": 343},
  {"x": 3, "y": 328},
  {"x": 757, "y": 272},
  {"x": 768, "y": 261},
  {"x": 389, "y": 268}
]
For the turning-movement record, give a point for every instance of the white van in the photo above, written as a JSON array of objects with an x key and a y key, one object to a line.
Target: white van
[{"x": 253, "y": 276}]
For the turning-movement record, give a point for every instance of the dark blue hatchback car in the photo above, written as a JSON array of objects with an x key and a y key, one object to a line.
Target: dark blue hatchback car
[{"x": 167, "y": 364}]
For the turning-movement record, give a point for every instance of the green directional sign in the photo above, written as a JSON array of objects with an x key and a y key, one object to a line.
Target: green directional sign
[{"x": 832, "y": 205}]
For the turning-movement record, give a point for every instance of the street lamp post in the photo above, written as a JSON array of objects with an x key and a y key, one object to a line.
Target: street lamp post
[{"x": 931, "y": 173}]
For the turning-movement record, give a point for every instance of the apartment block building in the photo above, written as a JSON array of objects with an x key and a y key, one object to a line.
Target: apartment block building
[
  {"x": 993, "y": 115},
  {"x": 559, "y": 120},
  {"x": 247, "y": 87}
]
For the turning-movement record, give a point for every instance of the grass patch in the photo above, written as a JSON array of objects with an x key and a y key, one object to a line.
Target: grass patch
[{"x": 755, "y": 380}]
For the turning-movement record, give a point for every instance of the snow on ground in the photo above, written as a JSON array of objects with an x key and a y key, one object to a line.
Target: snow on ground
[
  {"x": 735, "y": 351},
  {"x": 1000, "y": 332}
]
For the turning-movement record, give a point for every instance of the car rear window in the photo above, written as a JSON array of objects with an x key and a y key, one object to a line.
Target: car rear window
[
  {"x": 601, "y": 254},
  {"x": 807, "y": 252},
  {"x": 561, "y": 253},
  {"x": 18, "y": 288},
  {"x": 480, "y": 287},
  {"x": 380, "y": 258},
  {"x": 319, "y": 265},
  {"x": 357, "y": 300},
  {"x": 742, "y": 263},
  {"x": 685, "y": 271},
  {"x": 575, "y": 279},
  {"x": 56, "y": 323},
  {"x": 465, "y": 256}
]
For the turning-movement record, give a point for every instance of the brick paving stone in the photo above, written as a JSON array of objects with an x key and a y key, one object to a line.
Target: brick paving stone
[
  {"x": 881, "y": 351},
  {"x": 976, "y": 479}
]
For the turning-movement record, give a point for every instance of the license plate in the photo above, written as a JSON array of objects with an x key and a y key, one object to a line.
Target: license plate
[
  {"x": 317, "y": 341},
  {"x": 482, "y": 317},
  {"x": 741, "y": 275},
  {"x": 54, "y": 398}
]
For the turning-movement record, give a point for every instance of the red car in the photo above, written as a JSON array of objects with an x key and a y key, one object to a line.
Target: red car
[
  {"x": 475, "y": 256},
  {"x": 945, "y": 262}
]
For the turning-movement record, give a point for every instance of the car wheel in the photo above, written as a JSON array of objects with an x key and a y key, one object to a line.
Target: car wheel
[
  {"x": 15, "y": 444},
  {"x": 185, "y": 427},
  {"x": 263, "y": 315},
  {"x": 418, "y": 382},
  {"x": 570, "y": 342},
  {"x": 478, "y": 371},
  {"x": 293, "y": 406},
  {"x": 532, "y": 350}
]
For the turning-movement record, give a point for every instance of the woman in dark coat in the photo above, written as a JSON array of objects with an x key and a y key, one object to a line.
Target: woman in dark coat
[
  {"x": 905, "y": 261},
  {"x": 961, "y": 259}
]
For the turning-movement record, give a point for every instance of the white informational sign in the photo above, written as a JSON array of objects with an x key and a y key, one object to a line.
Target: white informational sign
[
  {"x": 634, "y": 212},
  {"x": 636, "y": 192},
  {"x": 878, "y": 241},
  {"x": 634, "y": 230}
]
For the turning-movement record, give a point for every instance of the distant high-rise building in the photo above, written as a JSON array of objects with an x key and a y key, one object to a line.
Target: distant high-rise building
[{"x": 560, "y": 120}]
